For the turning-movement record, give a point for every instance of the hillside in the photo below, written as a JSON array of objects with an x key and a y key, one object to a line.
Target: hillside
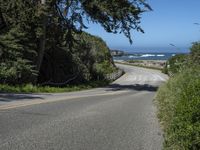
[{"x": 64, "y": 56}]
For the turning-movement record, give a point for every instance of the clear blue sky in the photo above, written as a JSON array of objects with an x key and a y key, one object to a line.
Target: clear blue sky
[{"x": 171, "y": 21}]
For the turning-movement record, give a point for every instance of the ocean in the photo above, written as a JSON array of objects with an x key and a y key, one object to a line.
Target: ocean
[{"x": 146, "y": 56}]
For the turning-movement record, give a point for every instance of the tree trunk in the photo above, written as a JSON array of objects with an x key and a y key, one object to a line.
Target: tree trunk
[
  {"x": 42, "y": 42},
  {"x": 2, "y": 21},
  {"x": 41, "y": 47}
]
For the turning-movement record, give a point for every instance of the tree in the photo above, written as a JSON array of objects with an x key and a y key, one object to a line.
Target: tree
[
  {"x": 117, "y": 16},
  {"x": 42, "y": 37},
  {"x": 53, "y": 24}
]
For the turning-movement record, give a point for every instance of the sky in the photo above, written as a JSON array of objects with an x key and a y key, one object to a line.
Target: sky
[{"x": 170, "y": 22}]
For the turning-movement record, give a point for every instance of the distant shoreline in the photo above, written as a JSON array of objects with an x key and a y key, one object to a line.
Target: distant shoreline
[
  {"x": 145, "y": 56},
  {"x": 152, "y": 64},
  {"x": 143, "y": 60}
]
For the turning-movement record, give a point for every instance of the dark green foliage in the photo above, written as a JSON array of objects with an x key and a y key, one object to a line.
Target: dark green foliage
[
  {"x": 18, "y": 42},
  {"x": 115, "y": 16},
  {"x": 195, "y": 53},
  {"x": 176, "y": 64},
  {"x": 179, "y": 103},
  {"x": 89, "y": 59},
  {"x": 135, "y": 61},
  {"x": 180, "y": 62},
  {"x": 95, "y": 55},
  {"x": 16, "y": 66},
  {"x": 45, "y": 43},
  {"x": 29, "y": 88},
  {"x": 2, "y": 21}
]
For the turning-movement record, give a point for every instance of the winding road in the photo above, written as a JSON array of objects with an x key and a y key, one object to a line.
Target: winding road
[{"x": 121, "y": 116}]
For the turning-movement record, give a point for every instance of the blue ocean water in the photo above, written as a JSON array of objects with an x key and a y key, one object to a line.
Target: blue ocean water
[{"x": 146, "y": 56}]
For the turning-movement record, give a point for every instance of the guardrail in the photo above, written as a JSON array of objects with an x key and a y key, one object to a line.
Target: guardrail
[{"x": 114, "y": 75}]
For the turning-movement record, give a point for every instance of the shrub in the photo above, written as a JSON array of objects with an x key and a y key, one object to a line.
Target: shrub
[
  {"x": 135, "y": 61},
  {"x": 29, "y": 88},
  {"x": 195, "y": 53},
  {"x": 179, "y": 110},
  {"x": 17, "y": 72},
  {"x": 176, "y": 64}
]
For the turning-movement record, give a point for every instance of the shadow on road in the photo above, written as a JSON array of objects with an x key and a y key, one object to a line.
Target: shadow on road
[
  {"x": 135, "y": 87},
  {"x": 17, "y": 97},
  {"x": 113, "y": 87}
]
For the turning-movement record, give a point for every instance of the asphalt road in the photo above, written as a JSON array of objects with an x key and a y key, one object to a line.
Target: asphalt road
[{"x": 121, "y": 116}]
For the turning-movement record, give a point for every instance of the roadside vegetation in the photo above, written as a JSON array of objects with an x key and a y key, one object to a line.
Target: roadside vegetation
[
  {"x": 29, "y": 88},
  {"x": 43, "y": 45},
  {"x": 134, "y": 61},
  {"x": 175, "y": 64},
  {"x": 179, "y": 102}
]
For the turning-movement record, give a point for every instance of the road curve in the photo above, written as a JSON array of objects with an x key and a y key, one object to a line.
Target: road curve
[{"x": 118, "y": 117}]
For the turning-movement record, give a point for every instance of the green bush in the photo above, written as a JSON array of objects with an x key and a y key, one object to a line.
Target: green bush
[
  {"x": 29, "y": 88},
  {"x": 176, "y": 64},
  {"x": 179, "y": 110},
  {"x": 134, "y": 61},
  {"x": 17, "y": 72},
  {"x": 104, "y": 68},
  {"x": 195, "y": 53}
]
